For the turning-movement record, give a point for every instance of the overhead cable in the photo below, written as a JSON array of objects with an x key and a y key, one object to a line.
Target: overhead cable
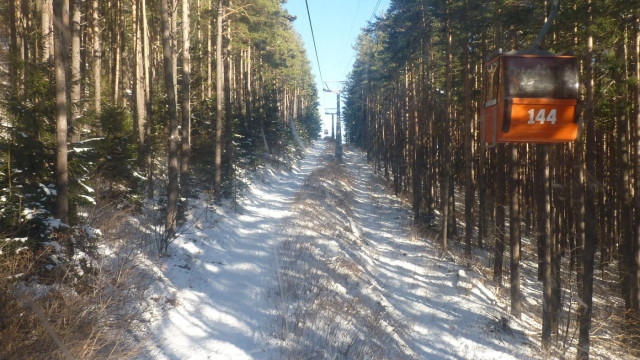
[
  {"x": 373, "y": 14},
  {"x": 346, "y": 51},
  {"x": 314, "y": 42}
]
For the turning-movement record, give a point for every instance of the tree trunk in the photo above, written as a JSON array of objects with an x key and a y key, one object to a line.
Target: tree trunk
[
  {"x": 149, "y": 76},
  {"x": 146, "y": 48},
  {"x": 75, "y": 93},
  {"x": 249, "y": 93},
  {"x": 97, "y": 57},
  {"x": 418, "y": 162},
  {"x": 14, "y": 17},
  {"x": 500, "y": 214},
  {"x": 292, "y": 120},
  {"x": 209, "y": 60},
  {"x": 219, "y": 99},
  {"x": 624, "y": 200},
  {"x": 585, "y": 308},
  {"x": 139, "y": 90},
  {"x": 469, "y": 196},
  {"x": 150, "y": 134},
  {"x": 514, "y": 235},
  {"x": 173, "y": 18},
  {"x": 186, "y": 101},
  {"x": 62, "y": 172},
  {"x": 227, "y": 130},
  {"x": 636, "y": 162},
  {"x": 172, "y": 186},
  {"x": 117, "y": 54},
  {"x": 47, "y": 30},
  {"x": 549, "y": 279},
  {"x": 446, "y": 132},
  {"x": 21, "y": 17},
  {"x": 580, "y": 201}
]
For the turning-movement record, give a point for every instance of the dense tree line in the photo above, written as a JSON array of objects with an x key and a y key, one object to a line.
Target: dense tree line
[
  {"x": 121, "y": 96},
  {"x": 413, "y": 102}
]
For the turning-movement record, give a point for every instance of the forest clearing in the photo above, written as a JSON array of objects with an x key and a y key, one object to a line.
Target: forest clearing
[{"x": 165, "y": 191}]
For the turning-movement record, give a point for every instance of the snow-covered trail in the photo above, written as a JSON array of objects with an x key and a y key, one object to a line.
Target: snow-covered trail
[
  {"x": 322, "y": 263},
  {"x": 451, "y": 315},
  {"x": 355, "y": 281},
  {"x": 219, "y": 271}
]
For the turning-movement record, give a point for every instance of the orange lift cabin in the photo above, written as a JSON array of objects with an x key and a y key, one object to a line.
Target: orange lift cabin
[{"x": 531, "y": 96}]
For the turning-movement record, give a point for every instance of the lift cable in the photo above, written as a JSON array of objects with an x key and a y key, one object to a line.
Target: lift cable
[
  {"x": 314, "y": 43},
  {"x": 373, "y": 14},
  {"x": 355, "y": 15}
]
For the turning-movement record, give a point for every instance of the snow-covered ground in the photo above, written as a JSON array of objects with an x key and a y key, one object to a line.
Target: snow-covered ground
[{"x": 321, "y": 262}]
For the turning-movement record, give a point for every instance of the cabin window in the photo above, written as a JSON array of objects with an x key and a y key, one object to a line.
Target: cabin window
[{"x": 541, "y": 77}]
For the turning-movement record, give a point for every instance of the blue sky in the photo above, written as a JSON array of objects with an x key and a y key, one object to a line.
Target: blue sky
[{"x": 336, "y": 25}]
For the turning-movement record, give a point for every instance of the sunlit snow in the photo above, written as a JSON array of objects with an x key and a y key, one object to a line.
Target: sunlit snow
[{"x": 292, "y": 267}]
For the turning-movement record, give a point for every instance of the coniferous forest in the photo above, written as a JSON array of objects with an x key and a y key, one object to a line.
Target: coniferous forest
[
  {"x": 118, "y": 104},
  {"x": 414, "y": 100},
  {"x": 142, "y": 99},
  {"x": 111, "y": 108}
]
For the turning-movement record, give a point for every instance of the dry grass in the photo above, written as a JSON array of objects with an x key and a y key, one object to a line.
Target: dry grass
[
  {"x": 88, "y": 309},
  {"x": 325, "y": 309}
]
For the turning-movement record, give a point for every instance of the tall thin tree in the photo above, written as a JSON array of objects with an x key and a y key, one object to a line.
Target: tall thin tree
[
  {"x": 217, "y": 181},
  {"x": 585, "y": 309},
  {"x": 636, "y": 163},
  {"x": 62, "y": 171},
  {"x": 97, "y": 56},
  {"x": 75, "y": 92},
  {"x": 173, "y": 161},
  {"x": 186, "y": 102},
  {"x": 139, "y": 90},
  {"x": 514, "y": 235}
]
